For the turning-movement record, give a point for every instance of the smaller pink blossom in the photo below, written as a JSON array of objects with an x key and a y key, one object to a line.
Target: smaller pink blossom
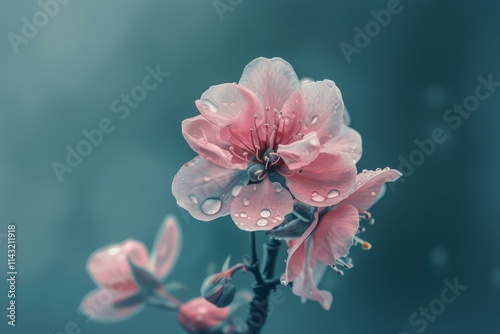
[
  {"x": 128, "y": 279},
  {"x": 332, "y": 232}
]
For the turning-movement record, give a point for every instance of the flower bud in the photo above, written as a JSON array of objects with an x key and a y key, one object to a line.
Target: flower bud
[
  {"x": 219, "y": 289},
  {"x": 199, "y": 316}
]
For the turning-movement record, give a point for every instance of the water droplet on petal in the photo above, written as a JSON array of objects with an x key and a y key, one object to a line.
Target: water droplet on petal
[
  {"x": 265, "y": 213},
  {"x": 262, "y": 222},
  {"x": 318, "y": 198},
  {"x": 206, "y": 178},
  {"x": 210, "y": 106},
  {"x": 211, "y": 206},
  {"x": 245, "y": 201},
  {"x": 236, "y": 189},
  {"x": 387, "y": 168},
  {"x": 243, "y": 215},
  {"x": 314, "y": 119},
  {"x": 193, "y": 199},
  {"x": 373, "y": 193},
  {"x": 333, "y": 193},
  {"x": 278, "y": 187},
  {"x": 284, "y": 282}
]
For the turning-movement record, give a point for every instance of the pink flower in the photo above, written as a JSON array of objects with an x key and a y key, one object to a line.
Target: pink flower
[
  {"x": 263, "y": 142},
  {"x": 332, "y": 233},
  {"x": 127, "y": 278}
]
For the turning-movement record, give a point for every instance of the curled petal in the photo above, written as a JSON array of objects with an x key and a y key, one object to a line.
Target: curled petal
[
  {"x": 166, "y": 248},
  {"x": 272, "y": 80},
  {"x": 348, "y": 141},
  {"x": 296, "y": 253},
  {"x": 370, "y": 186},
  {"x": 322, "y": 108},
  {"x": 206, "y": 190},
  {"x": 300, "y": 153},
  {"x": 324, "y": 182},
  {"x": 261, "y": 206},
  {"x": 334, "y": 234},
  {"x": 205, "y": 139},
  {"x": 110, "y": 269},
  {"x": 104, "y": 305},
  {"x": 305, "y": 285}
]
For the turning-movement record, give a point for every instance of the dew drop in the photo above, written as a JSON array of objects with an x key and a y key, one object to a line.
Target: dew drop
[
  {"x": 387, "y": 168},
  {"x": 284, "y": 282},
  {"x": 262, "y": 222},
  {"x": 378, "y": 169},
  {"x": 236, "y": 189},
  {"x": 211, "y": 206},
  {"x": 193, "y": 199},
  {"x": 236, "y": 215},
  {"x": 314, "y": 120},
  {"x": 245, "y": 201},
  {"x": 318, "y": 198},
  {"x": 210, "y": 106},
  {"x": 206, "y": 178},
  {"x": 265, "y": 213},
  {"x": 333, "y": 193},
  {"x": 373, "y": 193},
  {"x": 243, "y": 215}
]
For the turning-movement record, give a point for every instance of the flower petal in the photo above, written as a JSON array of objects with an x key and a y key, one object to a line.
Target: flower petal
[
  {"x": 103, "y": 305},
  {"x": 348, "y": 141},
  {"x": 165, "y": 252},
  {"x": 321, "y": 107},
  {"x": 110, "y": 269},
  {"x": 300, "y": 153},
  {"x": 324, "y": 182},
  {"x": 261, "y": 206},
  {"x": 296, "y": 253},
  {"x": 334, "y": 234},
  {"x": 370, "y": 186},
  {"x": 272, "y": 80},
  {"x": 205, "y": 139},
  {"x": 305, "y": 284},
  {"x": 232, "y": 108},
  {"x": 206, "y": 190}
]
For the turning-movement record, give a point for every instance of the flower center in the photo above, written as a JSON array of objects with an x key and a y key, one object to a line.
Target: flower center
[{"x": 265, "y": 137}]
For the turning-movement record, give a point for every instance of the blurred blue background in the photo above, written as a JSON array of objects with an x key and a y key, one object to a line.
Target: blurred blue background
[{"x": 441, "y": 223}]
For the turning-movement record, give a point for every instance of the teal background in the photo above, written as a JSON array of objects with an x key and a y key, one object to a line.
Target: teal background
[{"x": 441, "y": 223}]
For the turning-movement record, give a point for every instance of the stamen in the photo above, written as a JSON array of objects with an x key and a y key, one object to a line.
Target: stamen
[
  {"x": 256, "y": 128},
  {"x": 340, "y": 272},
  {"x": 365, "y": 215},
  {"x": 234, "y": 136},
  {"x": 245, "y": 154},
  {"x": 364, "y": 244},
  {"x": 257, "y": 149},
  {"x": 345, "y": 264}
]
